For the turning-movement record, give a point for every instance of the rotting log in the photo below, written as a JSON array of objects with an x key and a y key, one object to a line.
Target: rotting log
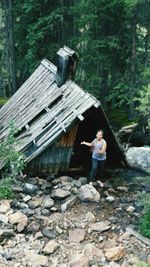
[{"x": 143, "y": 239}]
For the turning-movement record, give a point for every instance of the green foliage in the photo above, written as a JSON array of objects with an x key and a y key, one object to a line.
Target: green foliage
[
  {"x": 14, "y": 161},
  {"x": 3, "y": 100},
  {"x": 142, "y": 264},
  {"x": 144, "y": 222},
  {"x": 118, "y": 117},
  {"x": 5, "y": 188},
  {"x": 111, "y": 38},
  {"x": 144, "y": 103}
]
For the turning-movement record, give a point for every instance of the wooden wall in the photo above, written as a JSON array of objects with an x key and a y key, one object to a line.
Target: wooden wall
[{"x": 55, "y": 158}]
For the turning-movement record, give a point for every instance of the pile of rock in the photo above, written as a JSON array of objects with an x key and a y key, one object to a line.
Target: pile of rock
[{"x": 60, "y": 223}]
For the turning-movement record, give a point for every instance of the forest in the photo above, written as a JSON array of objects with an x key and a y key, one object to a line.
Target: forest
[
  {"x": 111, "y": 38},
  {"x": 60, "y": 204}
]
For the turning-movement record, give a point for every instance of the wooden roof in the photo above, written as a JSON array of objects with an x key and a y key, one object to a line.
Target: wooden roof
[{"x": 42, "y": 111}]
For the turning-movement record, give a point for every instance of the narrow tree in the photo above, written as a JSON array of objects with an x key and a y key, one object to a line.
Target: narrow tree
[{"x": 9, "y": 44}]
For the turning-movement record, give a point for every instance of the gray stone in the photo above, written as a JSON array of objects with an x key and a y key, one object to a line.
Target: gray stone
[
  {"x": 62, "y": 179},
  {"x": 8, "y": 256},
  {"x": 54, "y": 209},
  {"x": 83, "y": 180},
  {"x": 6, "y": 233},
  {"x": 130, "y": 209},
  {"x": 30, "y": 188},
  {"x": 80, "y": 261},
  {"x": 60, "y": 193},
  {"x": 4, "y": 206},
  {"x": 21, "y": 205},
  {"x": 139, "y": 158},
  {"x": 89, "y": 193},
  {"x": 45, "y": 212},
  {"x": 33, "y": 227},
  {"x": 36, "y": 260},
  {"x": 69, "y": 203},
  {"x": 67, "y": 187},
  {"x": 33, "y": 204},
  {"x": 92, "y": 251},
  {"x": 77, "y": 235},
  {"x": 76, "y": 183},
  {"x": 148, "y": 258},
  {"x": 33, "y": 180},
  {"x": 46, "y": 186},
  {"x": 100, "y": 226},
  {"x": 29, "y": 212},
  {"x": 3, "y": 218},
  {"x": 89, "y": 218},
  {"x": 122, "y": 188},
  {"x": 20, "y": 219},
  {"x": 48, "y": 203},
  {"x": 115, "y": 253},
  {"x": 59, "y": 230},
  {"x": 48, "y": 233},
  {"x": 75, "y": 191},
  {"x": 110, "y": 199},
  {"x": 27, "y": 198},
  {"x": 51, "y": 247}
]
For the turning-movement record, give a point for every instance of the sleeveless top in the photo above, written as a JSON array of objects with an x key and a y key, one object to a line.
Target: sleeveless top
[{"x": 96, "y": 147}]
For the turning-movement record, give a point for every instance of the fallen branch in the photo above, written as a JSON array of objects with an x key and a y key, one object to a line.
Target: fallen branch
[{"x": 145, "y": 240}]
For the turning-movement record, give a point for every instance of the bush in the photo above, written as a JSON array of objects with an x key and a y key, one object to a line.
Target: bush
[
  {"x": 14, "y": 161},
  {"x": 5, "y": 188},
  {"x": 144, "y": 104},
  {"x": 144, "y": 222}
]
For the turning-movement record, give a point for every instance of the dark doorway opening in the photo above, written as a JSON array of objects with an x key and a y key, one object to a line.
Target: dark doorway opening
[{"x": 95, "y": 120}]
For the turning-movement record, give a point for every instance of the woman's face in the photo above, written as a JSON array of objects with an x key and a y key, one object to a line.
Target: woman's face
[{"x": 99, "y": 135}]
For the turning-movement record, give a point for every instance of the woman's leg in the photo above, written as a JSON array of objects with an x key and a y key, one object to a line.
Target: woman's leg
[
  {"x": 94, "y": 170},
  {"x": 101, "y": 165}
]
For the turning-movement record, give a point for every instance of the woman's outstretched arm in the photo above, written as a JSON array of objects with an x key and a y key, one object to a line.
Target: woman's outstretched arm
[{"x": 86, "y": 143}]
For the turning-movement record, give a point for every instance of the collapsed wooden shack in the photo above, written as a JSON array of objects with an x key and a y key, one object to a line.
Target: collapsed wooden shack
[{"x": 53, "y": 115}]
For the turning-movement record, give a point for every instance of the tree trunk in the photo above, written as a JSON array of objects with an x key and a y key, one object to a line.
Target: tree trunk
[
  {"x": 10, "y": 47},
  {"x": 147, "y": 37},
  {"x": 132, "y": 84},
  {"x": 103, "y": 85}
]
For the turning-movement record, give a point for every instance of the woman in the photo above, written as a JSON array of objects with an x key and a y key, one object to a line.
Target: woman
[{"x": 98, "y": 146}]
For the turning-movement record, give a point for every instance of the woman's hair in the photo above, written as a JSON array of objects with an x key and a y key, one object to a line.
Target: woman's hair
[{"x": 101, "y": 131}]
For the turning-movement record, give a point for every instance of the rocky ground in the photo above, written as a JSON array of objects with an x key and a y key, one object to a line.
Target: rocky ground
[{"x": 65, "y": 222}]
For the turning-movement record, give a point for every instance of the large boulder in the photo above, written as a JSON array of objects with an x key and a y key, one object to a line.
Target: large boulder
[
  {"x": 89, "y": 193},
  {"x": 139, "y": 158}
]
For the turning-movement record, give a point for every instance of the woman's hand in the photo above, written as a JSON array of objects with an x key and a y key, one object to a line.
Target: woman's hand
[{"x": 83, "y": 143}]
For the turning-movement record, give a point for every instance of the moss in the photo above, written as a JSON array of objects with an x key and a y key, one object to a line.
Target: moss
[
  {"x": 118, "y": 117},
  {"x": 3, "y": 100}
]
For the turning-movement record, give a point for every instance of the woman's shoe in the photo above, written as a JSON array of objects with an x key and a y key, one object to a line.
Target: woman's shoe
[{"x": 100, "y": 183}]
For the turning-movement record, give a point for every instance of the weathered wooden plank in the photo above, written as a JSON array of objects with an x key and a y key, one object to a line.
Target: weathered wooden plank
[
  {"x": 11, "y": 100},
  {"x": 65, "y": 118},
  {"x": 49, "y": 65},
  {"x": 52, "y": 160},
  {"x": 55, "y": 128},
  {"x": 16, "y": 115},
  {"x": 38, "y": 131},
  {"x": 34, "y": 105},
  {"x": 55, "y": 111},
  {"x": 46, "y": 97},
  {"x": 77, "y": 101},
  {"x": 24, "y": 99},
  {"x": 29, "y": 113},
  {"x": 20, "y": 94}
]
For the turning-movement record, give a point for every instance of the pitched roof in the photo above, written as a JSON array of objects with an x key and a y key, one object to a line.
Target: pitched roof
[{"x": 42, "y": 111}]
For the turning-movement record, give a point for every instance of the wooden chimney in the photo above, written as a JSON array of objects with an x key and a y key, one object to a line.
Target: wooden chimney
[{"x": 66, "y": 65}]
